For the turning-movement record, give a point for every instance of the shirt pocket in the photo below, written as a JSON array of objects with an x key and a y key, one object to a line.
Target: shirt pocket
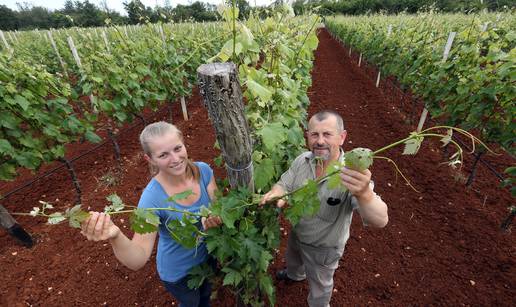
[{"x": 331, "y": 205}]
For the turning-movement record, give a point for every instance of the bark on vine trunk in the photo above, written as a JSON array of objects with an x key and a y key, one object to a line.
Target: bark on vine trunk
[
  {"x": 76, "y": 184},
  {"x": 474, "y": 169},
  {"x": 222, "y": 97},
  {"x": 112, "y": 138}
]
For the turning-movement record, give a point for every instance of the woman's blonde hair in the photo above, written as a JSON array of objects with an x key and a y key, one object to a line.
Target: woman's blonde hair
[{"x": 159, "y": 129}]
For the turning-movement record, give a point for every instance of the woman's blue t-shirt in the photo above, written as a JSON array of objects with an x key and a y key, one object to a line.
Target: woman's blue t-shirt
[{"x": 173, "y": 260}]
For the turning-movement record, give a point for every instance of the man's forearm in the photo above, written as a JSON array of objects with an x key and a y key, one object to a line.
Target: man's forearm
[{"x": 373, "y": 209}]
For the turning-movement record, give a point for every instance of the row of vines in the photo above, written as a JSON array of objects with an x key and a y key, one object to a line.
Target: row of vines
[
  {"x": 62, "y": 86},
  {"x": 470, "y": 84}
]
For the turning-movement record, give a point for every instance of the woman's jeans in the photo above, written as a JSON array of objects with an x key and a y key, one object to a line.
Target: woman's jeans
[{"x": 189, "y": 297}]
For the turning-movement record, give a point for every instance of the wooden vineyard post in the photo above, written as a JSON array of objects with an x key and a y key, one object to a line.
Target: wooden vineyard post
[
  {"x": 54, "y": 46},
  {"x": 447, "y": 49},
  {"x": 74, "y": 52},
  {"x": 222, "y": 97},
  {"x": 79, "y": 64},
  {"x": 163, "y": 39},
  {"x": 11, "y": 37},
  {"x": 15, "y": 37},
  {"x": 104, "y": 37},
  {"x": 7, "y": 46},
  {"x": 183, "y": 108},
  {"x": 13, "y": 228},
  {"x": 389, "y": 30}
]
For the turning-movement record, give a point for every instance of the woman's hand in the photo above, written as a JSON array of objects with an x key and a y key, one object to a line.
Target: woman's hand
[
  {"x": 210, "y": 222},
  {"x": 99, "y": 227}
]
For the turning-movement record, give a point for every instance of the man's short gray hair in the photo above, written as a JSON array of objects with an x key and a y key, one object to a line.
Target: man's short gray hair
[{"x": 322, "y": 115}]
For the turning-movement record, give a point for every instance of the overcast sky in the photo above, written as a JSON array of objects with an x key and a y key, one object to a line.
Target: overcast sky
[{"x": 117, "y": 4}]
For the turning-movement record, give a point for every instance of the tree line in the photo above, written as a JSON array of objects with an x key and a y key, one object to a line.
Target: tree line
[
  {"x": 87, "y": 14},
  {"x": 360, "y": 7}
]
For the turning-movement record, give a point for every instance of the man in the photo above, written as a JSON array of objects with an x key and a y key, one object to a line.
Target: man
[{"x": 316, "y": 243}]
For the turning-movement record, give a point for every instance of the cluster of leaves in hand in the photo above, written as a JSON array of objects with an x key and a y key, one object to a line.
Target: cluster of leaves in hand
[
  {"x": 143, "y": 220},
  {"x": 360, "y": 159}
]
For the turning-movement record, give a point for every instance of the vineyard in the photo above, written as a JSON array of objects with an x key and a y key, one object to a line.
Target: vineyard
[{"x": 79, "y": 98}]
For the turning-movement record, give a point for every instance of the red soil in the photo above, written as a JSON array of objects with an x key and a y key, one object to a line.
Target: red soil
[{"x": 442, "y": 246}]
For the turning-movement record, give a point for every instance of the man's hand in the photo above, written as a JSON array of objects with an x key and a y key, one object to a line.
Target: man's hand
[
  {"x": 99, "y": 227},
  {"x": 358, "y": 184},
  {"x": 210, "y": 222},
  {"x": 373, "y": 209},
  {"x": 276, "y": 191}
]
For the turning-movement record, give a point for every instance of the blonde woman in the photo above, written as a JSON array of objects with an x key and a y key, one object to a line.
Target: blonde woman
[{"x": 165, "y": 151}]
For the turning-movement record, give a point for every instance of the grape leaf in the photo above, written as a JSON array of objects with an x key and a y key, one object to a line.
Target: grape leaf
[
  {"x": 252, "y": 248},
  {"x": 56, "y": 218},
  {"x": 76, "y": 216},
  {"x": 266, "y": 286},
  {"x": 205, "y": 211},
  {"x": 180, "y": 196},
  {"x": 259, "y": 90},
  {"x": 303, "y": 203},
  {"x": 263, "y": 173},
  {"x": 334, "y": 181},
  {"x": 6, "y": 148},
  {"x": 144, "y": 221},
  {"x": 92, "y": 137},
  {"x": 265, "y": 259},
  {"x": 359, "y": 159},
  {"x": 185, "y": 231},
  {"x": 221, "y": 242},
  {"x": 273, "y": 134},
  {"x": 116, "y": 204},
  {"x": 412, "y": 145},
  {"x": 198, "y": 274},
  {"x": 230, "y": 207},
  {"x": 232, "y": 277}
]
